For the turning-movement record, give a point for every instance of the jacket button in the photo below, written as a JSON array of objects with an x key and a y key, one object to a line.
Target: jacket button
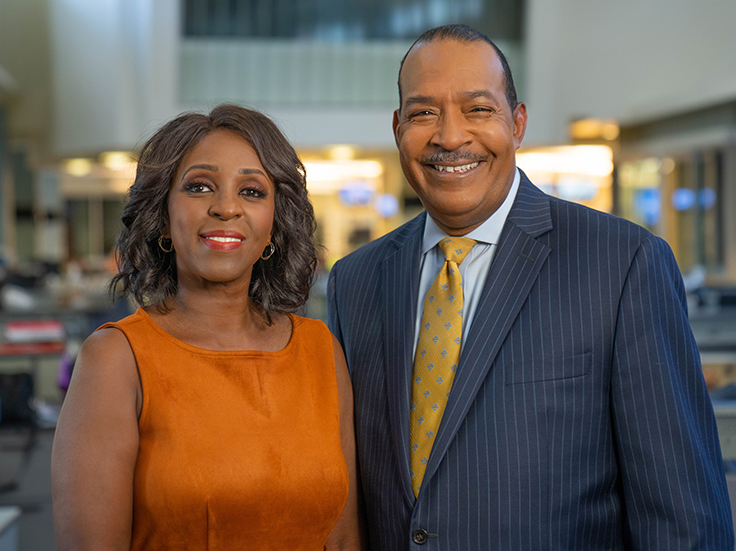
[{"x": 419, "y": 536}]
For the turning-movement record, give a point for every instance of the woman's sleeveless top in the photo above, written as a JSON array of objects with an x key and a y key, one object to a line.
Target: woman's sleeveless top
[{"x": 238, "y": 449}]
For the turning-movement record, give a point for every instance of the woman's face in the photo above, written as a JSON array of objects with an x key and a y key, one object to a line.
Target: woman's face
[{"x": 221, "y": 208}]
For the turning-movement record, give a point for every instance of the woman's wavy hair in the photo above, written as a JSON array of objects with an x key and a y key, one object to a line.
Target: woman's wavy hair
[{"x": 279, "y": 284}]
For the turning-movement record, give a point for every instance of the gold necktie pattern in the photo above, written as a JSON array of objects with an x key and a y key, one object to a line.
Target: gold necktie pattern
[{"x": 437, "y": 354}]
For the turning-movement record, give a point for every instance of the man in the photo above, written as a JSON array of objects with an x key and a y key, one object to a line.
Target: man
[{"x": 555, "y": 400}]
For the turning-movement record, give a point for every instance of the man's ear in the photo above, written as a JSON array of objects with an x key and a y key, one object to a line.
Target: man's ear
[
  {"x": 397, "y": 116},
  {"x": 519, "y": 119}
]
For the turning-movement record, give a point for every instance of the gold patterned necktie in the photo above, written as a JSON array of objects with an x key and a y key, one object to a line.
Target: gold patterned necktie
[{"x": 437, "y": 354}]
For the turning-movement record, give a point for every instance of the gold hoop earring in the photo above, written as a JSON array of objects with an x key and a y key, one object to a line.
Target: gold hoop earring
[
  {"x": 270, "y": 254},
  {"x": 161, "y": 245}
]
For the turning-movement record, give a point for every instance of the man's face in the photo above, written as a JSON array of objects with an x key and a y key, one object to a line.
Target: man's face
[{"x": 456, "y": 133}]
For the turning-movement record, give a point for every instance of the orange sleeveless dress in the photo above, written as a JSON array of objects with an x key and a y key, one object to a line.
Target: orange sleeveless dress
[{"x": 238, "y": 450}]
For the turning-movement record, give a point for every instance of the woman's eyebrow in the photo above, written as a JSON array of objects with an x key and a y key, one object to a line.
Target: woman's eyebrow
[
  {"x": 211, "y": 168},
  {"x": 251, "y": 171}
]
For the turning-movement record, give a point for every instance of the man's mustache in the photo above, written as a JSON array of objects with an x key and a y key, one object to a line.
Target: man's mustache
[{"x": 453, "y": 157}]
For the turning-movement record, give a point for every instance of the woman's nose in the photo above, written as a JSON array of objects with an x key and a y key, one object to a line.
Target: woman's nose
[{"x": 226, "y": 206}]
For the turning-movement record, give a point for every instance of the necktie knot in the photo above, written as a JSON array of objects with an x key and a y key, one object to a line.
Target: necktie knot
[{"x": 456, "y": 248}]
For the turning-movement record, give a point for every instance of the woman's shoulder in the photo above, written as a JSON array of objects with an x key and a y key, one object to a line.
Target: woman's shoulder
[
  {"x": 139, "y": 327},
  {"x": 110, "y": 342},
  {"x": 105, "y": 377},
  {"x": 309, "y": 326},
  {"x": 315, "y": 334},
  {"x": 107, "y": 342},
  {"x": 139, "y": 316},
  {"x": 106, "y": 361}
]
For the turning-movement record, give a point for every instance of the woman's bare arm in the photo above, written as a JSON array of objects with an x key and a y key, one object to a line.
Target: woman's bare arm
[
  {"x": 348, "y": 532},
  {"x": 96, "y": 446}
]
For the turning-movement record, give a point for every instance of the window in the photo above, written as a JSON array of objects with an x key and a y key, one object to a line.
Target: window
[
  {"x": 680, "y": 199},
  {"x": 341, "y": 21}
]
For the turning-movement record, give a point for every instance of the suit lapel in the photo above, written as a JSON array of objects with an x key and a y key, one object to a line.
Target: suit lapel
[
  {"x": 400, "y": 285},
  {"x": 518, "y": 260}
]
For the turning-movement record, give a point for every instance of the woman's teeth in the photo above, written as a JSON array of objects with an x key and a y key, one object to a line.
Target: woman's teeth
[{"x": 225, "y": 239}]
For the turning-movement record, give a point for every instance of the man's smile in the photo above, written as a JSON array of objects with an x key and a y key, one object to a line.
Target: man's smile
[{"x": 456, "y": 169}]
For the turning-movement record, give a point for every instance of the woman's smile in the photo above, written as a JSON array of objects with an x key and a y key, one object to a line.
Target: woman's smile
[{"x": 222, "y": 240}]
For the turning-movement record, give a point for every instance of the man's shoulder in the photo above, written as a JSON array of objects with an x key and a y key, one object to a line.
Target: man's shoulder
[
  {"x": 566, "y": 214},
  {"x": 531, "y": 200}
]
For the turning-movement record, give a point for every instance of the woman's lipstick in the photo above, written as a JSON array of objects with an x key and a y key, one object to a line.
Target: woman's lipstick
[{"x": 222, "y": 240}]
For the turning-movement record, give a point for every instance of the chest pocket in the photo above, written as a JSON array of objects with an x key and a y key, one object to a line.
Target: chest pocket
[{"x": 552, "y": 369}]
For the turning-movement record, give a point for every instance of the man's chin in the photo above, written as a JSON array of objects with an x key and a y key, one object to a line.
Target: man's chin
[{"x": 456, "y": 223}]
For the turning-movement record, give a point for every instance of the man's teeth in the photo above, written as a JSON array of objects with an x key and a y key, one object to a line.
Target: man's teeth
[
  {"x": 461, "y": 168},
  {"x": 225, "y": 239}
]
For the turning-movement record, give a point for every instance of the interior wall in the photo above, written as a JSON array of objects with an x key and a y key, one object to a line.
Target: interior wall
[
  {"x": 631, "y": 60},
  {"x": 115, "y": 70},
  {"x": 25, "y": 55}
]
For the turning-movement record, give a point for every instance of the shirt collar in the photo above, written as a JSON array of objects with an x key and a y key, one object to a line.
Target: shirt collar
[{"x": 488, "y": 232}]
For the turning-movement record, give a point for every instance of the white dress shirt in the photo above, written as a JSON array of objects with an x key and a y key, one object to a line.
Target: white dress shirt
[{"x": 475, "y": 266}]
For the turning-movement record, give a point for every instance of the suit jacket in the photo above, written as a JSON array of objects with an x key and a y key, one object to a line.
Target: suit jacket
[{"x": 578, "y": 417}]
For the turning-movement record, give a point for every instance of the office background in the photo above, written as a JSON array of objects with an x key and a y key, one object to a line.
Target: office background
[{"x": 632, "y": 110}]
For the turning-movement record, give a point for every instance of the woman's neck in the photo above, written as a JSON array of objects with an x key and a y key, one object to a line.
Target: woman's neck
[{"x": 220, "y": 318}]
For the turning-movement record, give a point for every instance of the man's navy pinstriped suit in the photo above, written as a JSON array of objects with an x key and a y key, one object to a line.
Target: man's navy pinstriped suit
[{"x": 578, "y": 418}]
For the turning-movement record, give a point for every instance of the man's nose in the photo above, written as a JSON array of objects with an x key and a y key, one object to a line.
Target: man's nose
[{"x": 451, "y": 132}]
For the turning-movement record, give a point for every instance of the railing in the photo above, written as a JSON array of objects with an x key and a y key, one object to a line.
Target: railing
[
  {"x": 289, "y": 72},
  {"x": 296, "y": 73}
]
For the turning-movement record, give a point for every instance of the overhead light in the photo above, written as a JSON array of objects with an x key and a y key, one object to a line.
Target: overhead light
[
  {"x": 609, "y": 131},
  {"x": 78, "y": 167},
  {"x": 121, "y": 185},
  {"x": 117, "y": 160},
  {"x": 341, "y": 153},
  {"x": 594, "y": 129},
  {"x": 325, "y": 177},
  {"x": 586, "y": 160},
  {"x": 668, "y": 165}
]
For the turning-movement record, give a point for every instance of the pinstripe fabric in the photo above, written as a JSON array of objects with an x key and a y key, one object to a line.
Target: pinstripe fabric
[{"x": 578, "y": 418}]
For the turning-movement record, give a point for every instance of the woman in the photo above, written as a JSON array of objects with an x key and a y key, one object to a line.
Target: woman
[{"x": 212, "y": 418}]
